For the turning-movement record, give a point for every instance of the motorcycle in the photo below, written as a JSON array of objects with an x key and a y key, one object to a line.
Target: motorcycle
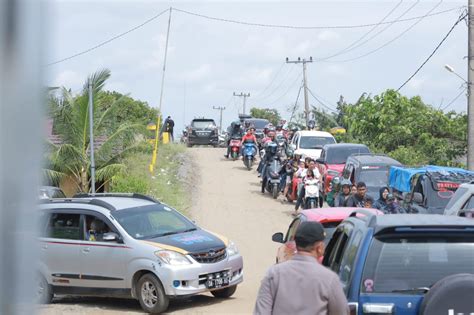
[
  {"x": 235, "y": 145},
  {"x": 271, "y": 180},
  {"x": 222, "y": 139},
  {"x": 311, "y": 193},
  {"x": 249, "y": 152}
]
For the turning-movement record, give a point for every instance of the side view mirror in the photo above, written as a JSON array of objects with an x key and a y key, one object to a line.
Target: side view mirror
[
  {"x": 277, "y": 237},
  {"x": 320, "y": 160},
  {"x": 293, "y": 147},
  {"x": 418, "y": 198},
  {"x": 111, "y": 237}
]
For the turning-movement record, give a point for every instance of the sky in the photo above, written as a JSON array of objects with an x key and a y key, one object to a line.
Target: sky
[{"x": 209, "y": 60}]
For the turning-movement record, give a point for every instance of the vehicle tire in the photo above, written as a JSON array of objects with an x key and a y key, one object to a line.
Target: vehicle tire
[
  {"x": 263, "y": 185},
  {"x": 44, "y": 292},
  {"x": 275, "y": 191},
  {"x": 189, "y": 145},
  {"x": 151, "y": 295},
  {"x": 224, "y": 293},
  {"x": 312, "y": 204},
  {"x": 248, "y": 163},
  {"x": 450, "y": 293}
]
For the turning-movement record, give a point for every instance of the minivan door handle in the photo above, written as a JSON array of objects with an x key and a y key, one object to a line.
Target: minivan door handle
[
  {"x": 86, "y": 249},
  {"x": 378, "y": 308}
]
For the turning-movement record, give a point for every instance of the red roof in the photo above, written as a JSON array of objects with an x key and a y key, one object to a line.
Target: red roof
[{"x": 335, "y": 214}]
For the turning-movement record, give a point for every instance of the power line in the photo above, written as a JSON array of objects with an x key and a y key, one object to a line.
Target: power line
[
  {"x": 462, "y": 17},
  {"x": 278, "y": 87},
  {"x": 454, "y": 99},
  {"x": 390, "y": 41},
  {"x": 286, "y": 92},
  {"x": 271, "y": 82},
  {"x": 320, "y": 102},
  {"x": 310, "y": 27},
  {"x": 349, "y": 47},
  {"x": 296, "y": 102},
  {"x": 109, "y": 40}
]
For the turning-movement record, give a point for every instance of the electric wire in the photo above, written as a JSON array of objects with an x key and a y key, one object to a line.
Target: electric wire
[
  {"x": 390, "y": 41},
  {"x": 271, "y": 82},
  {"x": 462, "y": 17},
  {"x": 350, "y": 46},
  {"x": 296, "y": 102},
  {"x": 320, "y": 102},
  {"x": 286, "y": 92},
  {"x": 108, "y": 40},
  {"x": 278, "y": 87},
  {"x": 454, "y": 99},
  {"x": 310, "y": 27}
]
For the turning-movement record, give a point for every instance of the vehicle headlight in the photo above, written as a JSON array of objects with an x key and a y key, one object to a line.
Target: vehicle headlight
[
  {"x": 232, "y": 249},
  {"x": 172, "y": 258}
]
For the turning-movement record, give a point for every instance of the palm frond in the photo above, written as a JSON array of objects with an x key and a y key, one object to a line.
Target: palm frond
[
  {"x": 107, "y": 172},
  {"x": 106, "y": 114},
  {"x": 120, "y": 139},
  {"x": 52, "y": 176},
  {"x": 98, "y": 81}
]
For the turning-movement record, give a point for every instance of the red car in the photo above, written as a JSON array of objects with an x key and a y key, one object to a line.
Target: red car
[
  {"x": 328, "y": 217},
  {"x": 333, "y": 158}
]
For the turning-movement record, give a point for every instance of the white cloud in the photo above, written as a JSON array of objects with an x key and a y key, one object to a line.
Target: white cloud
[
  {"x": 69, "y": 79},
  {"x": 199, "y": 73},
  {"x": 328, "y": 35},
  {"x": 416, "y": 84}
]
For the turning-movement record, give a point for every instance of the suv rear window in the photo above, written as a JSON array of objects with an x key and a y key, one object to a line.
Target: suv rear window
[
  {"x": 340, "y": 155},
  {"x": 208, "y": 123},
  {"x": 406, "y": 263},
  {"x": 310, "y": 142}
]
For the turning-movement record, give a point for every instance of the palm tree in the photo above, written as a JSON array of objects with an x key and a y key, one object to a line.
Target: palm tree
[{"x": 71, "y": 123}]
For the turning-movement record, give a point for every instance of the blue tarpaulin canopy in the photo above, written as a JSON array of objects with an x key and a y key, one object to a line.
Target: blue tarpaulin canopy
[{"x": 400, "y": 177}]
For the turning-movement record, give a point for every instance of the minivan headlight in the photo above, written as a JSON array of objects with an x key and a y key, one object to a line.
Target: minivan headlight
[
  {"x": 172, "y": 258},
  {"x": 232, "y": 249}
]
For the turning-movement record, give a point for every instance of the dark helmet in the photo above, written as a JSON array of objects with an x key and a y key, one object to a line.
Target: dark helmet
[
  {"x": 311, "y": 124},
  {"x": 294, "y": 129},
  {"x": 346, "y": 182},
  {"x": 272, "y": 148},
  {"x": 279, "y": 127}
]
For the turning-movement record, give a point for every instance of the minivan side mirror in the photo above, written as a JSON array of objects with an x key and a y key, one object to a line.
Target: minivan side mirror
[
  {"x": 278, "y": 237},
  {"x": 111, "y": 237}
]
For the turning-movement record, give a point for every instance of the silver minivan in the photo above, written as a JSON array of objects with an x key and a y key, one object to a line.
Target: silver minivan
[{"x": 130, "y": 245}]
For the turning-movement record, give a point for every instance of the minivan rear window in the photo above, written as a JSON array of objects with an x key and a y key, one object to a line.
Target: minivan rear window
[
  {"x": 310, "y": 142},
  {"x": 203, "y": 124},
  {"x": 405, "y": 263},
  {"x": 340, "y": 155}
]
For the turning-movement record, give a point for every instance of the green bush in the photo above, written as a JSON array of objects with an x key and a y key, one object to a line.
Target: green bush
[{"x": 127, "y": 184}]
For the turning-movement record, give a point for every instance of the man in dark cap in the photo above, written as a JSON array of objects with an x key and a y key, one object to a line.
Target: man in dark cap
[{"x": 302, "y": 285}]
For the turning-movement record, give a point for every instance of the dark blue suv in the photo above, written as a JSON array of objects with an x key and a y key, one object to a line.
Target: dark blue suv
[{"x": 404, "y": 263}]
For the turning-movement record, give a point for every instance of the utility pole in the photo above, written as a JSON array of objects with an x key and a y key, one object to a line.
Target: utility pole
[
  {"x": 91, "y": 135},
  {"x": 245, "y": 99},
  {"x": 221, "y": 109},
  {"x": 305, "y": 84},
  {"x": 470, "y": 91}
]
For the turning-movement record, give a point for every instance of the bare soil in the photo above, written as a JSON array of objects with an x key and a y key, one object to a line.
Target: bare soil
[{"x": 226, "y": 200}]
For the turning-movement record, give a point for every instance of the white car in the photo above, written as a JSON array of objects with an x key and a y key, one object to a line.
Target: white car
[{"x": 310, "y": 143}]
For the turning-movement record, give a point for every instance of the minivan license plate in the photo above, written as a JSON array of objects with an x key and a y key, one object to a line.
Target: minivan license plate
[{"x": 218, "y": 280}]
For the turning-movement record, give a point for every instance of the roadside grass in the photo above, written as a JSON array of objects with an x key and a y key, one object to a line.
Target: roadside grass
[{"x": 164, "y": 185}]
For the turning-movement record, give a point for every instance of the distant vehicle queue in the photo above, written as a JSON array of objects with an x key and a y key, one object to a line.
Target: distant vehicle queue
[{"x": 309, "y": 168}]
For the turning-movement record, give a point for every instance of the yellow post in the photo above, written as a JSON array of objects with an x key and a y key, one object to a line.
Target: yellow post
[
  {"x": 155, "y": 150},
  {"x": 166, "y": 137}
]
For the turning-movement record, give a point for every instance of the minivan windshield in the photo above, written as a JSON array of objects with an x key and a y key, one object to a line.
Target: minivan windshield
[
  {"x": 376, "y": 177},
  {"x": 400, "y": 264},
  {"x": 340, "y": 155},
  {"x": 153, "y": 221},
  {"x": 311, "y": 142},
  {"x": 203, "y": 124},
  {"x": 258, "y": 123}
]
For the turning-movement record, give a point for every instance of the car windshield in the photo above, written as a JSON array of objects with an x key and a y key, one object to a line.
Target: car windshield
[
  {"x": 340, "y": 155},
  {"x": 149, "y": 222},
  {"x": 311, "y": 142},
  {"x": 203, "y": 124},
  {"x": 398, "y": 264},
  {"x": 258, "y": 124},
  {"x": 438, "y": 198},
  {"x": 374, "y": 177}
]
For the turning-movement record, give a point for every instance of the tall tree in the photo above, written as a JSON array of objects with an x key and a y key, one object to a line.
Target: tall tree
[
  {"x": 71, "y": 122},
  {"x": 271, "y": 114}
]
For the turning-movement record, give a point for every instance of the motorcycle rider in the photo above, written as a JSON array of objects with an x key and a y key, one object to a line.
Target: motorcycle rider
[
  {"x": 270, "y": 152},
  {"x": 269, "y": 138},
  {"x": 301, "y": 190},
  {"x": 344, "y": 194},
  {"x": 311, "y": 125},
  {"x": 249, "y": 137},
  {"x": 235, "y": 132},
  {"x": 331, "y": 196},
  {"x": 309, "y": 179}
]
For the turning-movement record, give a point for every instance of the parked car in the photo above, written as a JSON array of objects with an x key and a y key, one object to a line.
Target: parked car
[
  {"x": 404, "y": 264},
  {"x": 310, "y": 143},
  {"x": 372, "y": 169},
  {"x": 259, "y": 125},
  {"x": 47, "y": 192},
  {"x": 462, "y": 202},
  {"x": 333, "y": 158},
  {"x": 203, "y": 131},
  {"x": 130, "y": 245},
  {"x": 427, "y": 189},
  {"x": 328, "y": 217}
]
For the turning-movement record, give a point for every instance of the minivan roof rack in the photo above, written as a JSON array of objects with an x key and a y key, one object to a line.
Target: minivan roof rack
[
  {"x": 118, "y": 195},
  {"x": 95, "y": 202},
  {"x": 368, "y": 217},
  {"x": 368, "y": 154}
]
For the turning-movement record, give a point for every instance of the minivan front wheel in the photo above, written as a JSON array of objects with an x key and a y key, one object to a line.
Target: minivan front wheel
[
  {"x": 44, "y": 294},
  {"x": 151, "y": 294}
]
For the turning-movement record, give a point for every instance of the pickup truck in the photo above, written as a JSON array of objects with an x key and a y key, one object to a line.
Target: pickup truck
[
  {"x": 427, "y": 189},
  {"x": 462, "y": 202}
]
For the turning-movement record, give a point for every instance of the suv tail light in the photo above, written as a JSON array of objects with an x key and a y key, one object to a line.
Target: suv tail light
[
  {"x": 353, "y": 308},
  {"x": 378, "y": 308}
]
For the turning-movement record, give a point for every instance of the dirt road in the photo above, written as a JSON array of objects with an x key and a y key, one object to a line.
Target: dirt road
[{"x": 227, "y": 201}]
